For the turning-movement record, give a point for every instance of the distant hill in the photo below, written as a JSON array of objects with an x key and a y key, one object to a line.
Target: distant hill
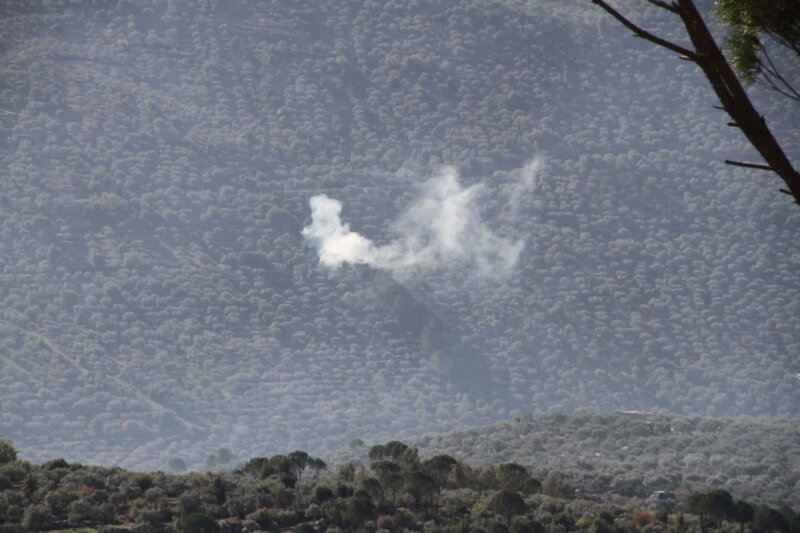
[
  {"x": 634, "y": 454},
  {"x": 157, "y": 297}
]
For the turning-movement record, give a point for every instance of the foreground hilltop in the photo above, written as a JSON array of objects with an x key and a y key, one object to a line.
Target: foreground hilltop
[{"x": 400, "y": 488}]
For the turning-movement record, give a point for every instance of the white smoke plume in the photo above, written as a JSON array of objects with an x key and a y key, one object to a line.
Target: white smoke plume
[
  {"x": 528, "y": 177},
  {"x": 440, "y": 230}
]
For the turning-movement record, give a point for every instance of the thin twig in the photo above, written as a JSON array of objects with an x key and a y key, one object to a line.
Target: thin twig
[
  {"x": 773, "y": 72},
  {"x": 769, "y": 84}
]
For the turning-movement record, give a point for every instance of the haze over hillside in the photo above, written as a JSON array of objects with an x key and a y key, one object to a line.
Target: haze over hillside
[{"x": 159, "y": 298}]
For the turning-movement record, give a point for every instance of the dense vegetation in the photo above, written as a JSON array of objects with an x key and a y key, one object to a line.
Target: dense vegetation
[
  {"x": 398, "y": 491},
  {"x": 157, "y": 299},
  {"x": 634, "y": 454}
]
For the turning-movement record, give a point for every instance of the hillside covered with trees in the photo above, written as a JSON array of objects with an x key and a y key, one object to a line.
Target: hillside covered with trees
[
  {"x": 633, "y": 453},
  {"x": 400, "y": 488},
  {"x": 157, "y": 297}
]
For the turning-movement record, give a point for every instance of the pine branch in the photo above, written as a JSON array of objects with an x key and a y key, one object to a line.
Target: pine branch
[
  {"x": 748, "y": 165},
  {"x": 644, "y": 34}
]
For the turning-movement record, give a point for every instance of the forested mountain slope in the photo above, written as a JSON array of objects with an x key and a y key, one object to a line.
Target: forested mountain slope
[
  {"x": 158, "y": 298},
  {"x": 637, "y": 453}
]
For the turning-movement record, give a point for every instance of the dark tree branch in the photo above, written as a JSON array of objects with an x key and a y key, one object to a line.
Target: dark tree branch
[
  {"x": 639, "y": 32},
  {"x": 748, "y": 165},
  {"x": 725, "y": 84}
]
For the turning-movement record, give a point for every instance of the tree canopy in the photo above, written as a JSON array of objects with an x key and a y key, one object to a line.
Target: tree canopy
[
  {"x": 59, "y": 496},
  {"x": 750, "y": 22}
]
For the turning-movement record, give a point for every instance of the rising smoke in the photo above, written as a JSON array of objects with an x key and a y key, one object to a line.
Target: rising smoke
[
  {"x": 441, "y": 230},
  {"x": 528, "y": 176}
]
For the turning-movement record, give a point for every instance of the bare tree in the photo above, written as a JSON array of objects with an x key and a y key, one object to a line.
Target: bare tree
[{"x": 708, "y": 56}]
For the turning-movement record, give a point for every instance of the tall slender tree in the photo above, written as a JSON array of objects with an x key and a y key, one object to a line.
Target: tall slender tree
[{"x": 705, "y": 52}]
